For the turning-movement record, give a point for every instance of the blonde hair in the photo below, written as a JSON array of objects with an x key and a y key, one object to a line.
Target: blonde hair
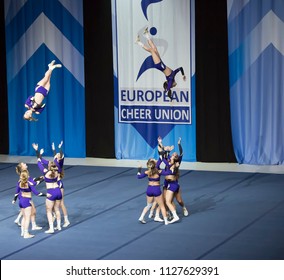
[
  {"x": 24, "y": 176},
  {"x": 54, "y": 169},
  {"x": 29, "y": 117},
  {"x": 152, "y": 169},
  {"x": 62, "y": 174},
  {"x": 176, "y": 166},
  {"x": 19, "y": 169}
]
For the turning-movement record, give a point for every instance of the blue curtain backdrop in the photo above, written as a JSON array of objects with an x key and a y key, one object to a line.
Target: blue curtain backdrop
[
  {"x": 256, "y": 49},
  {"x": 142, "y": 111},
  {"x": 37, "y": 32}
]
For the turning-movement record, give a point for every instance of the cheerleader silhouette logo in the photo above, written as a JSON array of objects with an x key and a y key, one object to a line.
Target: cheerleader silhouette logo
[{"x": 148, "y": 63}]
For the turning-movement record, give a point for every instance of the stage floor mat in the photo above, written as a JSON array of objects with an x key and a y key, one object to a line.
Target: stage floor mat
[{"x": 233, "y": 216}]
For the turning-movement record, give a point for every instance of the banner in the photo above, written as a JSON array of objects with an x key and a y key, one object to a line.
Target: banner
[
  {"x": 38, "y": 32},
  {"x": 143, "y": 109},
  {"x": 256, "y": 62}
]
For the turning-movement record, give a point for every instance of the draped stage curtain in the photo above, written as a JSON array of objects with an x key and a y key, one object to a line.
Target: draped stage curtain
[
  {"x": 37, "y": 32},
  {"x": 256, "y": 62}
]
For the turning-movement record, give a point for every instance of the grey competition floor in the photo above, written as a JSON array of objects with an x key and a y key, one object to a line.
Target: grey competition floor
[{"x": 233, "y": 216}]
